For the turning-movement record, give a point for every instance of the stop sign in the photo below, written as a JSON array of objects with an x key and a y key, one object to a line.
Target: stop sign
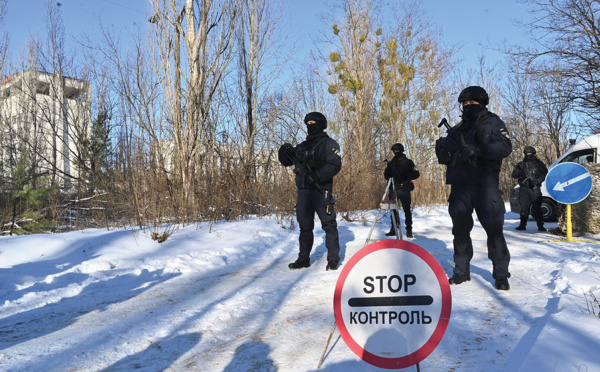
[{"x": 392, "y": 304}]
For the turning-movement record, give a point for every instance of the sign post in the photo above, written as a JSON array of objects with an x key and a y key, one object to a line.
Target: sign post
[
  {"x": 392, "y": 304},
  {"x": 569, "y": 183}
]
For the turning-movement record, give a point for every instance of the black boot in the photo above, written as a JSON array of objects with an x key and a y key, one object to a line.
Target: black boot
[
  {"x": 541, "y": 228},
  {"x": 299, "y": 265},
  {"x": 458, "y": 279},
  {"x": 392, "y": 232},
  {"x": 332, "y": 265},
  {"x": 409, "y": 233},
  {"x": 523, "y": 224},
  {"x": 502, "y": 284}
]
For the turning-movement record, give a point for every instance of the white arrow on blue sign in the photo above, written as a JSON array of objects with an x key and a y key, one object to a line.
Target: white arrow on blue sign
[{"x": 569, "y": 183}]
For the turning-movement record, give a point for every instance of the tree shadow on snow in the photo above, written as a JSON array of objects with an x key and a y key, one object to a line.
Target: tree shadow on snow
[
  {"x": 346, "y": 235},
  {"x": 442, "y": 252},
  {"x": 50, "y": 318},
  {"x": 79, "y": 250},
  {"x": 522, "y": 349},
  {"x": 320, "y": 250},
  {"x": 252, "y": 356},
  {"x": 158, "y": 356}
]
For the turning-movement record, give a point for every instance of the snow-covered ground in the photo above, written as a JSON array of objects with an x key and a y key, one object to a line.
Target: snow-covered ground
[{"x": 223, "y": 299}]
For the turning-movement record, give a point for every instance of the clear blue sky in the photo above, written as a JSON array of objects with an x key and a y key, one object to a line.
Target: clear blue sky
[
  {"x": 473, "y": 23},
  {"x": 470, "y": 23},
  {"x": 28, "y": 17}
]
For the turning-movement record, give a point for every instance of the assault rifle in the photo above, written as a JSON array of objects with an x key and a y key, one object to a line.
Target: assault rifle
[
  {"x": 528, "y": 177},
  {"x": 300, "y": 167},
  {"x": 451, "y": 138},
  {"x": 445, "y": 123},
  {"x": 302, "y": 170},
  {"x": 306, "y": 173}
]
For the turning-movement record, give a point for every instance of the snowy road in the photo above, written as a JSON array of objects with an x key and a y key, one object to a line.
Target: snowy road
[{"x": 224, "y": 300}]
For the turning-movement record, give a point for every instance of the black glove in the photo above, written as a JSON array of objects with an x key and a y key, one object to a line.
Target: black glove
[
  {"x": 288, "y": 150},
  {"x": 469, "y": 152},
  {"x": 286, "y": 154},
  {"x": 448, "y": 143}
]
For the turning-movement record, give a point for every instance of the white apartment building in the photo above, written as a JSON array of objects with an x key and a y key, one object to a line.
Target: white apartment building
[{"x": 46, "y": 115}]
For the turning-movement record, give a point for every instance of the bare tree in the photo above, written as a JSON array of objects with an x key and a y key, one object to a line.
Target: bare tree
[
  {"x": 555, "y": 110},
  {"x": 202, "y": 31},
  {"x": 353, "y": 80},
  {"x": 144, "y": 176},
  {"x": 4, "y": 38},
  {"x": 538, "y": 110},
  {"x": 566, "y": 41},
  {"x": 255, "y": 92},
  {"x": 521, "y": 117}
]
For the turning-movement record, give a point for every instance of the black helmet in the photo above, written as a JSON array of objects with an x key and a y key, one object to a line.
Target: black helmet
[
  {"x": 529, "y": 150},
  {"x": 397, "y": 146},
  {"x": 474, "y": 93},
  {"x": 316, "y": 116}
]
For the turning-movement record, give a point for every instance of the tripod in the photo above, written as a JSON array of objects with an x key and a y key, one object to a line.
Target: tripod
[{"x": 388, "y": 205}]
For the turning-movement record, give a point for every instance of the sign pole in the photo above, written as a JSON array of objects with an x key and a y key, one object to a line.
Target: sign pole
[
  {"x": 327, "y": 345},
  {"x": 569, "y": 224}
]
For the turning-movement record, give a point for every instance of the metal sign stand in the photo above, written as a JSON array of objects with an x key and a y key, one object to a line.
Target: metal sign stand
[{"x": 388, "y": 206}]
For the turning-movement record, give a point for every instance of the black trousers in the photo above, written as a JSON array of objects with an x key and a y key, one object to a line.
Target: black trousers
[
  {"x": 489, "y": 207},
  {"x": 405, "y": 199},
  {"x": 531, "y": 199},
  {"x": 309, "y": 202}
]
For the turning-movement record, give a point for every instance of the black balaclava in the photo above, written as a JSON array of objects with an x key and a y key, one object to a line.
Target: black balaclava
[
  {"x": 472, "y": 112},
  {"x": 319, "y": 126},
  {"x": 531, "y": 152}
]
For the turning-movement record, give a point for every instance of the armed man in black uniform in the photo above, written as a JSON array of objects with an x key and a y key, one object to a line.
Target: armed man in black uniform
[
  {"x": 530, "y": 173},
  {"x": 316, "y": 161},
  {"x": 473, "y": 151},
  {"x": 403, "y": 170}
]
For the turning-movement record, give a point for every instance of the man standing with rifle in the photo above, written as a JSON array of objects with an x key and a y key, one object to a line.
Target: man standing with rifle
[
  {"x": 316, "y": 161},
  {"x": 530, "y": 173},
  {"x": 403, "y": 170},
  {"x": 473, "y": 151}
]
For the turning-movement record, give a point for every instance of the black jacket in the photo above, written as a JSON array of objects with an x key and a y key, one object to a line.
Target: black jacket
[
  {"x": 403, "y": 170},
  {"x": 531, "y": 172},
  {"x": 318, "y": 157},
  {"x": 488, "y": 136}
]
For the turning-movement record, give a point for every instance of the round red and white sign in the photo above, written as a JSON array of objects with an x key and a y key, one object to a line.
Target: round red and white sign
[{"x": 392, "y": 304}]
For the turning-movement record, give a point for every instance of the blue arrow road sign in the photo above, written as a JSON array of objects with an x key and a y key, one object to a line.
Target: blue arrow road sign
[{"x": 568, "y": 183}]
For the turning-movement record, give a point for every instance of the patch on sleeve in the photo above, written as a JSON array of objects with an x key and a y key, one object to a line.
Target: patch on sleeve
[
  {"x": 504, "y": 132},
  {"x": 336, "y": 151}
]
